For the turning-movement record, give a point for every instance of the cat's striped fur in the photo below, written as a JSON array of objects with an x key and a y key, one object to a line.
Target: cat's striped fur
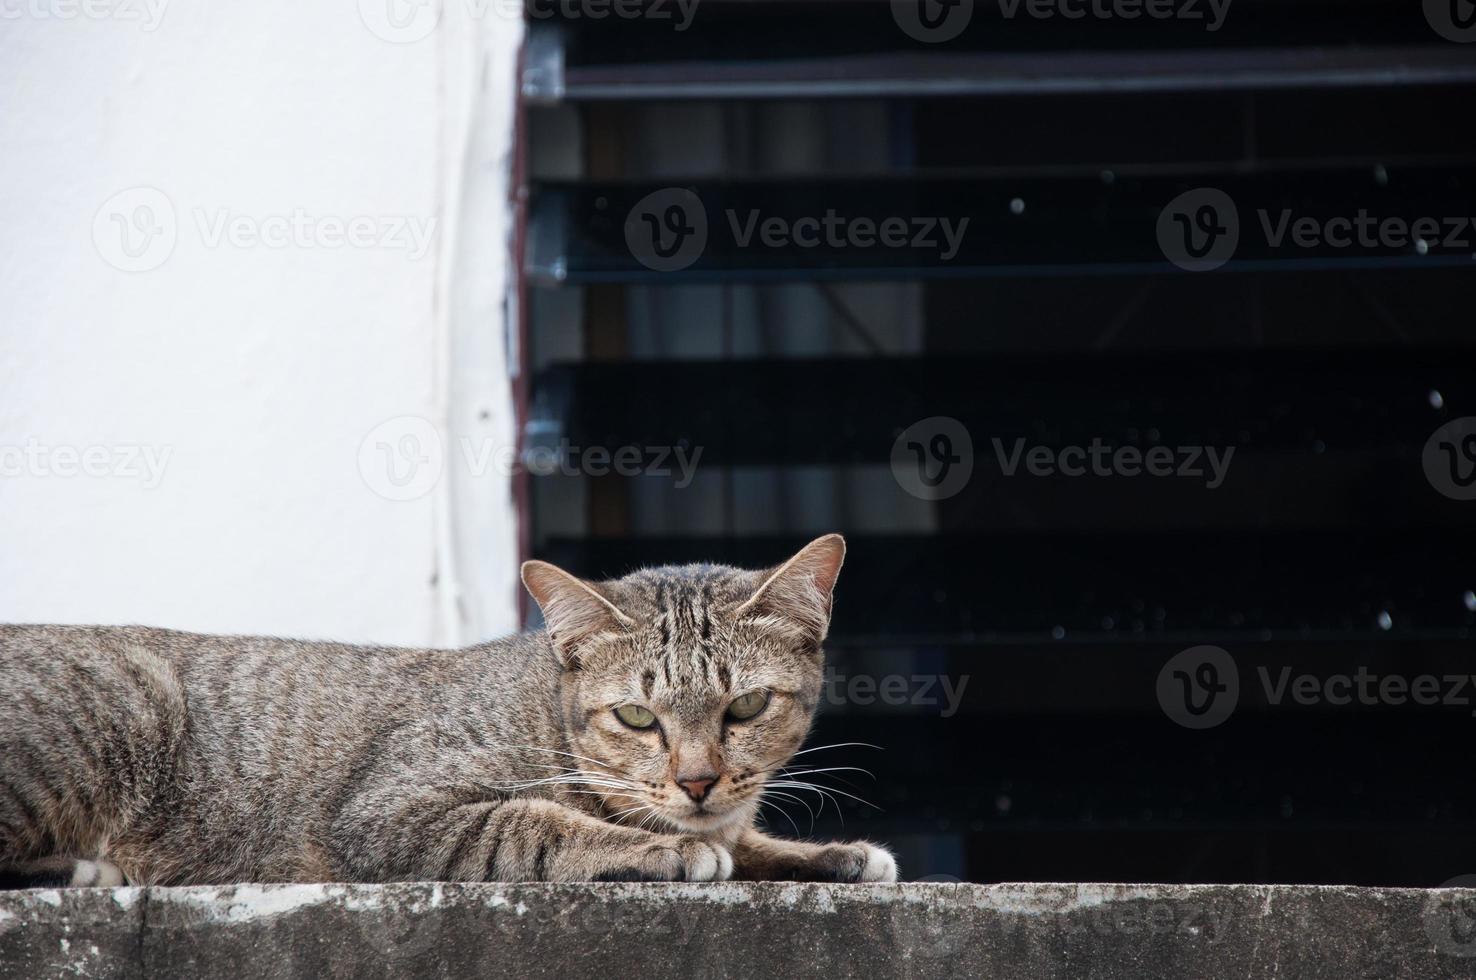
[{"x": 174, "y": 758}]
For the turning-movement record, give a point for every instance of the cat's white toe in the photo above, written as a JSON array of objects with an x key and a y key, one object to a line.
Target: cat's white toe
[
  {"x": 880, "y": 865},
  {"x": 96, "y": 874},
  {"x": 716, "y": 864},
  {"x": 702, "y": 867},
  {"x": 705, "y": 861}
]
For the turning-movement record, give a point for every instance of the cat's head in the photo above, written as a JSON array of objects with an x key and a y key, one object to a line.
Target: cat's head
[{"x": 686, "y": 687}]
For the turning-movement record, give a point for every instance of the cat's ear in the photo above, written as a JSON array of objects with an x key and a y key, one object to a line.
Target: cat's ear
[
  {"x": 800, "y": 589},
  {"x": 574, "y": 611}
]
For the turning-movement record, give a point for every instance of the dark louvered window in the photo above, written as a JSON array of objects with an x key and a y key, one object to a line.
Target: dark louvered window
[{"x": 810, "y": 247}]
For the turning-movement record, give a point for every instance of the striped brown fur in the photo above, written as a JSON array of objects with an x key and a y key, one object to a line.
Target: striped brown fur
[{"x": 180, "y": 758}]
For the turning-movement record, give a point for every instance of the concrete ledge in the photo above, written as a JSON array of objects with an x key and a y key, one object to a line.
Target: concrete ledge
[{"x": 723, "y": 930}]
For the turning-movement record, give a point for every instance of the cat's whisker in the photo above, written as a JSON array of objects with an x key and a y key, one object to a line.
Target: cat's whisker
[
  {"x": 840, "y": 745},
  {"x": 801, "y": 784},
  {"x": 789, "y": 796},
  {"x": 622, "y": 815},
  {"x": 565, "y": 770},
  {"x": 840, "y": 779},
  {"x": 824, "y": 792},
  {"x": 786, "y": 771},
  {"x": 572, "y": 755},
  {"x": 571, "y": 769},
  {"x": 568, "y": 780},
  {"x": 651, "y": 817},
  {"x": 800, "y": 800},
  {"x": 763, "y": 802},
  {"x": 820, "y": 792}
]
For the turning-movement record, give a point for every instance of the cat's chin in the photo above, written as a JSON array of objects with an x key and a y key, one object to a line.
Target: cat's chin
[{"x": 704, "y": 822}]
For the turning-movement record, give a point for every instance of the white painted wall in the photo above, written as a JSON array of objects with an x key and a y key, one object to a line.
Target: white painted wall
[{"x": 180, "y": 445}]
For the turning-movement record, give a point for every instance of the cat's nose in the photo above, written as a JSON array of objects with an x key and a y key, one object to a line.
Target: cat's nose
[{"x": 697, "y": 788}]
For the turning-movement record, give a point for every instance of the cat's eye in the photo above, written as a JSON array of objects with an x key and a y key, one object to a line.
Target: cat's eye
[
  {"x": 635, "y": 716},
  {"x": 748, "y": 705}
]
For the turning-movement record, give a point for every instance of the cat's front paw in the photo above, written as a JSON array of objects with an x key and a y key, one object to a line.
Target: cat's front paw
[
  {"x": 683, "y": 857},
  {"x": 858, "y": 862}
]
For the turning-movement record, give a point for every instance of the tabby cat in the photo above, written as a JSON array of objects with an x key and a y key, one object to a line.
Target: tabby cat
[{"x": 630, "y": 741}]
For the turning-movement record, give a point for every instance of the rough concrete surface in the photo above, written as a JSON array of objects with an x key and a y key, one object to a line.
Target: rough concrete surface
[{"x": 738, "y": 930}]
